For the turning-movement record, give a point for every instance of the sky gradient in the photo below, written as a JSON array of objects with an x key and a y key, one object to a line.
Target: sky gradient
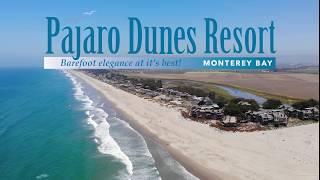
[{"x": 23, "y": 31}]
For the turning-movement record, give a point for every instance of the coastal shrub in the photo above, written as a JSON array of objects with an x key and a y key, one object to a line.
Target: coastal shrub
[
  {"x": 191, "y": 90},
  {"x": 254, "y": 106},
  {"x": 134, "y": 81},
  {"x": 151, "y": 84},
  {"x": 272, "y": 104},
  {"x": 306, "y": 104},
  {"x": 233, "y": 109},
  {"x": 121, "y": 76},
  {"x": 212, "y": 95},
  {"x": 221, "y": 101}
]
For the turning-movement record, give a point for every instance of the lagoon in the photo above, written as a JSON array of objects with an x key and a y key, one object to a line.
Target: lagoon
[{"x": 242, "y": 94}]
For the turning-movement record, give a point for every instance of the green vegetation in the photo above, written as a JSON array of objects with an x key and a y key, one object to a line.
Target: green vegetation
[
  {"x": 192, "y": 91},
  {"x": 221, "y": 101},
  {"x": 219, "y": 91},
  {"x": 246, "y": 104},
  {"x": 239, "y": 106},
  {"x": 272, "y": 104},
  {"x": 233, "y": 110},
  {"x": 133, "y": 80},
  {"x": 306, "y": 104},
  {"x": 151, "y": 84},
  {"x": 212, "y": 85},
  {"x": 218, "y": 95},
  {"x": 284, "y": 99}
]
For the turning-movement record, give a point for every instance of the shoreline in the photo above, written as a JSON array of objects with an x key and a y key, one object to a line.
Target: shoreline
[
  {"x": 187, "y": 163},
  {"x": 191, "y": 166},
  {"x": 202, "y": 150}
]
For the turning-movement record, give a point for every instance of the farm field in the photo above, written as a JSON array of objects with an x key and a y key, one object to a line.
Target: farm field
[{"x": 285, "y": 85}]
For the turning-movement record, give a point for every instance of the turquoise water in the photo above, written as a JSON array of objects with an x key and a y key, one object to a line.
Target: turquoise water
[
  {"x": 54, "y": 126},
  {"x": 43, "y": 134}
]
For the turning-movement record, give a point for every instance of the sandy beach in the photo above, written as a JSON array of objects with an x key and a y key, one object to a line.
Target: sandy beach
[{"x": 287, "y": 153}]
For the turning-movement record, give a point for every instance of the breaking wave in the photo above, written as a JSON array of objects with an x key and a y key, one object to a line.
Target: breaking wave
[{"x": 96, "y": 117}]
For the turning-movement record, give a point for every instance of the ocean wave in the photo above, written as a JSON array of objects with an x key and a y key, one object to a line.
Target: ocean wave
[
  {"x": 136, "y": 148},
  {"x": 42, "y": 176},
  {"x": 145, "y": 146},
  {"x": 97, "y": 118}
]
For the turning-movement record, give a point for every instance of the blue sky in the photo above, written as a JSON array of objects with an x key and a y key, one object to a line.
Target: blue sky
[{"x": 23, "y": 30}]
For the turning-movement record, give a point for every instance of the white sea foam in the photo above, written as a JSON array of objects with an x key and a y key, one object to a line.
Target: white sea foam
[
  {"x": 90, "y": 121},
  {"x": 141, "y": 156},
  {"x": 97, "y": 118},
  {"x": 170, "y": 162},
  {"x": 42, "y": 176},
  {"x": 146, "y": 150}
]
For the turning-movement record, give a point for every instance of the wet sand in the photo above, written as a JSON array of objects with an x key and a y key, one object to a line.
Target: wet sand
[{"x": 208, "y": 153}]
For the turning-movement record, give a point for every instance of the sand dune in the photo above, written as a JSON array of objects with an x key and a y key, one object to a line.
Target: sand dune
[{"x": 289, "y": 153}]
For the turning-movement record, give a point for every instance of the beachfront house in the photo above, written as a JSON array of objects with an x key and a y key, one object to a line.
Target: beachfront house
[
  {"x": 266, "y": 116},
  {"x": 205, "y": 108},
  {"x": 230, "y": 121},
  {"x": 311, "y": 113},
  {"x": 280, "y": 118},
  {"x": 205, "y": 101}
]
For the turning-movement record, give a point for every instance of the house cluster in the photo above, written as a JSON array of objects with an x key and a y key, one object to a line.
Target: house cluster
[
  {"x": 310, "y": 113},
  {"x": 140, "y": 90},
  {"x": 172, "y": 96},
  {"x": 167, "y": 96},
  {"x": 206, "y": 109},
  {"x": 268, "y": 116},
  {"x": 203, "y": 108}
]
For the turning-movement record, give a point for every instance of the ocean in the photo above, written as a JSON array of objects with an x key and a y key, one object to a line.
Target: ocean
[{"x": 54, "y": 126}]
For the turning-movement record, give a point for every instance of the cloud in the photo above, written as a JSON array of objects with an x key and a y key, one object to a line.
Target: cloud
[{"x": 89, "y": 13}]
